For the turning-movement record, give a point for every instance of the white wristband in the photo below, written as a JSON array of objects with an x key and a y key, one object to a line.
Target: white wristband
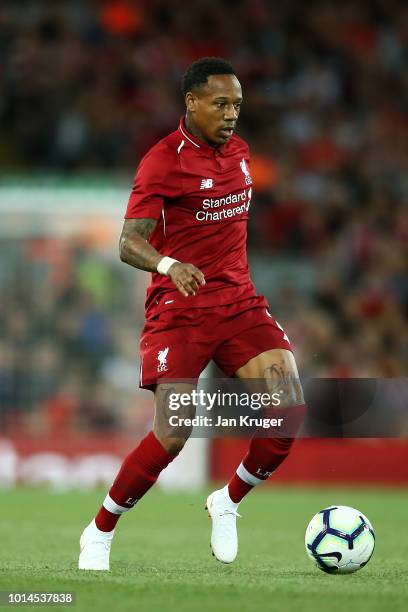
[{"x": 164, "y": 265}]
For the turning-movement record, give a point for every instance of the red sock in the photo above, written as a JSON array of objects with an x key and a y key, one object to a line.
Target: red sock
[
  {"x": 138, "y": 473},
  {"x": 263, "y": 457},
  {"x": 238, "y": 488}
]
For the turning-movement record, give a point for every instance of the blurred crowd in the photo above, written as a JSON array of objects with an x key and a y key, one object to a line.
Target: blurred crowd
[
  {"x": 69, "y": 327},
  {"x": 91, "y": 85}
]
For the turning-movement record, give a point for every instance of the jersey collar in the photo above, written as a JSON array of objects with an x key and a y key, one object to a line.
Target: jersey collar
[{"x": 199, "y": 144}]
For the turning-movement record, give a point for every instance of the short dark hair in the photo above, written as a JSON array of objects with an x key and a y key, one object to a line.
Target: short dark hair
[{"x": 199, "y": 71}]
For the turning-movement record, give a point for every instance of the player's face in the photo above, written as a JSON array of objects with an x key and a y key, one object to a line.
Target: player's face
[{"x": 213, "y": 109}]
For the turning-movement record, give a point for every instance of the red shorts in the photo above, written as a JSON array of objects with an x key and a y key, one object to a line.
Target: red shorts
[{"x": 179, "y": 343}]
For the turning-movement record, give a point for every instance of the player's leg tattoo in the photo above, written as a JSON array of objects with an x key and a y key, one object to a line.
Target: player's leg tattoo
[
  {"x": 283, "y": 380},
  {"x": 278, "y": 371},
  {"x": 169, "y": 419}
]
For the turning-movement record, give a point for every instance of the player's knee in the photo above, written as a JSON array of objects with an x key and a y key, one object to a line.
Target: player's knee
[{"x": 173, "y": 445}]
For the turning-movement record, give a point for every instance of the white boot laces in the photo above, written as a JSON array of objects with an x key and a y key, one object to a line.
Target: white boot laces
[{"x": 232, "y": 512}]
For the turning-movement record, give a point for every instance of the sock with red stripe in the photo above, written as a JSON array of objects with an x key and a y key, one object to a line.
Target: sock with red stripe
[
  {"x": 137, "y": 475},
  {"x": 264, "y": 456}
]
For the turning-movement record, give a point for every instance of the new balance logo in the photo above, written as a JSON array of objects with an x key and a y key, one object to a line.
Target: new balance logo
[
  {"x": 207, "y": 184},
  {"x": 162, "y": 358}
]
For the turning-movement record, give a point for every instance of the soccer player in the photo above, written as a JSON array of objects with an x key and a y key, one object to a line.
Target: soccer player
[{"x": 186, "y": 223}]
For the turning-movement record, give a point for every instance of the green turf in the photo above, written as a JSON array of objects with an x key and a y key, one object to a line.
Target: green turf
[{"x": 161, "y": 559}]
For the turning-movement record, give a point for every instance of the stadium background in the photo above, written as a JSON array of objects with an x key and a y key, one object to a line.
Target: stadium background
[{"x": 86, "y": 88}]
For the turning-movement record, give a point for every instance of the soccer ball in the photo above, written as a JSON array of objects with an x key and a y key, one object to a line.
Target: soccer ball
[{"x": 340, "y": 540}]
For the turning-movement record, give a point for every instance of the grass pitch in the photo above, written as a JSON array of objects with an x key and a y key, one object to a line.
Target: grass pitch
[{"x": 161, "y": 559}]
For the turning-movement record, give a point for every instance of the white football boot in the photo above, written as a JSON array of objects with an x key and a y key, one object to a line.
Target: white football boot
[
  {"x": 223, "y": 512},
  {"x": 95, "y": 547}
]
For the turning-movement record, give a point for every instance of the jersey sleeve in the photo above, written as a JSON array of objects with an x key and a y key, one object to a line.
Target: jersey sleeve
[{"x": 154, "y": 182}]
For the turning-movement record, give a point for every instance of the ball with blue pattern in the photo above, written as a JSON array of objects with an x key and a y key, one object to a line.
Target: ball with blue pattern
[{"x": 340, "y": 540}]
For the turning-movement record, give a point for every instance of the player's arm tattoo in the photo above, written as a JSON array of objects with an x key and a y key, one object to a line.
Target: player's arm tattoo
[
  {"x": 134, "y": 247},
  {"x": 136, "y": 251}
]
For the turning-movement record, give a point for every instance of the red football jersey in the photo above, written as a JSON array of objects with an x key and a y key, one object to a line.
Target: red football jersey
[{"x": 200, "y": 196}]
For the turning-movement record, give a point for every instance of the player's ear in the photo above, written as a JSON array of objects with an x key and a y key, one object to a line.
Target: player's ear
[{"x": 191, "y": 101}]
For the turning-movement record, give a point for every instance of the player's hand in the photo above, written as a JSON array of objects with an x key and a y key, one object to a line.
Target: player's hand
[{"x": 186, "y": 277}]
